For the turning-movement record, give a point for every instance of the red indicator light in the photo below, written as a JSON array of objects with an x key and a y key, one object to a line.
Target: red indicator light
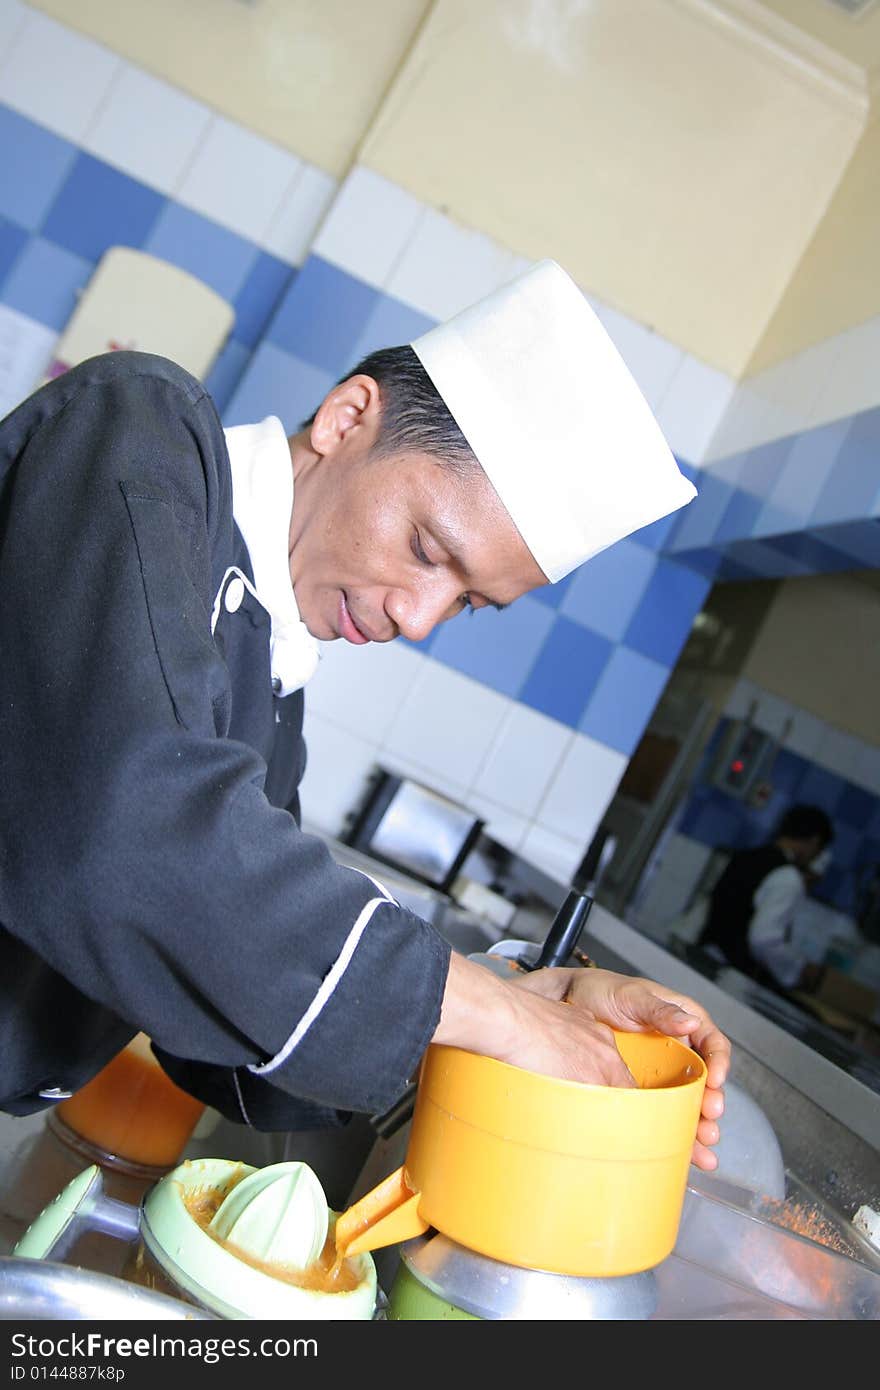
[{"x": 737, "y": 765}]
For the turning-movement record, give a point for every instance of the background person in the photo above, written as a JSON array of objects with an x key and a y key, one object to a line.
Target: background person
[{"x": 753, "y": 906}]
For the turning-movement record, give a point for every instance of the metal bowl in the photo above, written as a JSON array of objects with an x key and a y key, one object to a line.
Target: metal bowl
[{"x": 41, "y": 1289}]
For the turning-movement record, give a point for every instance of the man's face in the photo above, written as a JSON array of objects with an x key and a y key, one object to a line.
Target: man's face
[{"x": 381, "y": 547}]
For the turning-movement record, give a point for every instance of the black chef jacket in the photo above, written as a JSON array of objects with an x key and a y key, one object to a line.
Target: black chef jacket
[{"x": 153, "y": 875}]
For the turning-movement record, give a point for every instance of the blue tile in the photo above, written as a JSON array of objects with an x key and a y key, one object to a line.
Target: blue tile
[
  {"x": 45, "y": 282},
  {"x": 33, "y": 165},
  {"x": 700, "y": 518},
  {"x": 390, "y": 324},
  {"x": 497, "y": 649},
  {"x": 738, "y": 518},
  {"x": 212, "y": 253},
  {"x": 624, "y": 699},
  {"x": 98, "y": 207},
  {"x": 606, "y": 590},
  {"x": 856, "y": 806},
  {"x": 816, "y": 555},
  {"x": 869, "y": 853},
  {"x": 705, "y": 562},
  {"x": 762, "y": 559},
  {"x": 277, "y": 384},
  {"x": 822, "y": 788},
  {"x": 788, "y": 772},
  {"x": 256, "y": 301},
  {"x": 851, "y": 490},
  {"x": 12, "y": 239},
  {"x": 714, "y": 824},
  {"x": 860, "y": 540},
  {"x": 731, "y": 570},
  {"x": 323, "y": 316},
  {"x": 763, "y": 465},
  {"x": 846, "y": 844},
  {"x": 660, "y": 624},
  {"x": 656, "y": 536},
  {"x": 566, "y": 671},
  {"x": 227, "y": 371},
  {"x": 553, "y": 594}
]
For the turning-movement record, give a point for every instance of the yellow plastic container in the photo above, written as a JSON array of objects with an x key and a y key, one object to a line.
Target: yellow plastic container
[{"x": 541, "y": 1173}]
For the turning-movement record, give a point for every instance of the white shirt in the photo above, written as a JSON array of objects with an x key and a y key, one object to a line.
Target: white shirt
[
  {"x": 777, "y": 900},
  {"x": 262, "y": 504}
]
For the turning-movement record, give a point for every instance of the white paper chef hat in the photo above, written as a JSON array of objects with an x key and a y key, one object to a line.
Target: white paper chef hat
[{"x": 554, "y": 417}]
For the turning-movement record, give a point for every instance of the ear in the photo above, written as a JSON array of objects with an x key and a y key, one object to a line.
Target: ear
[{"x": 351, "y": 406}]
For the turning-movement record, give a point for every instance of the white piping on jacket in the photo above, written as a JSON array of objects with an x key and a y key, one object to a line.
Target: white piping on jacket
[{"x": 328, "y": 985}]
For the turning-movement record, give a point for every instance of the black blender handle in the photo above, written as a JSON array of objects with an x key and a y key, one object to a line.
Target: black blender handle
[{"x": 564, "y": 933}]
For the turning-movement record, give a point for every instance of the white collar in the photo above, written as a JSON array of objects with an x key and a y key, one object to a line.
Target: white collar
[{"x": 262, "y": 503}]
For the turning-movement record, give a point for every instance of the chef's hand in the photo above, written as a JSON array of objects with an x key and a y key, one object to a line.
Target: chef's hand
[
  {"x": 558, "y": 1022},
  {"x": 633, "y": 1005}
]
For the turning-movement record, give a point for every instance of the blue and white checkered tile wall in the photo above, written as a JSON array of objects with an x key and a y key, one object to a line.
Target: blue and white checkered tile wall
[
  {"x": 529, "y": 715},
  {"x": 806, "y": 503},
  {"x": 95, "y": 152},
  {"x": 714, "y": 818}
]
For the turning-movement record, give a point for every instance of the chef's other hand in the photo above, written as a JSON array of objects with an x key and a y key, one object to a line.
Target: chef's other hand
[{"x": 632, "y": 1004}]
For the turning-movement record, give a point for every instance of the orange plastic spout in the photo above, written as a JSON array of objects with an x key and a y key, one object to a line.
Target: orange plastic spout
[{"x": 387, "y": 1214}]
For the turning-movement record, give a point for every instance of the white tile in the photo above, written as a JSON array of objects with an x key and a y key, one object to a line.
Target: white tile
[
  {"x": 447, "y": 723},
  {"x": 867, "y": 770},
  {"x": 362, "y": 688},
  {"x": 238, "y": 179},
  {"x": 838, "y": 751},
  {"x": 693, "y": 406},
  {"x": 581, "y": 789},
  {"x": 303, "y": 208},
  {"x": 796, "y": 386},
  {"x": 445, "y": 267},
  {"x": 501, "y": 825},
  {"x": 425, "y": 774},
  {"x": 13, "y": 15},
  {"x": 685, "y": 857},
  {"x": 147, "y": 128},
  {"x": 852, "y": 384},
  {"x": 55, "y": 76},
  {"x": 554, "y": 854},
  {"x": 652, "y": 359},
  {"x": 744, "y": 424},
  {"x": 740, "y": 700},
  {"x": 805, "y": 734},
  {"x": 773, "y": 715},
  {"x": 368, "y": 226},
  {"x": 26, "y": 350},
  {"x": 337, "y": 774},
  {"x": 522, "y": 760}
]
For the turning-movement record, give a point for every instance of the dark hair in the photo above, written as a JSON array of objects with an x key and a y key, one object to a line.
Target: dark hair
[
  {"x": 414, "y": 417},
  {"x": 801, "y": 822}
]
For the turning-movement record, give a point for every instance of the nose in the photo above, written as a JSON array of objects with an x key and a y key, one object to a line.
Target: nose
[{"x": 415, "y": 615}]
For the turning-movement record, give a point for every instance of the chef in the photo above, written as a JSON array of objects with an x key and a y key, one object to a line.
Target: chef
[{"x": 165, "y": 585}]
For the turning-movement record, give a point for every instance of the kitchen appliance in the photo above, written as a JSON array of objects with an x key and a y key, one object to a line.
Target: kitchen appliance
[
  {"x": 229, "y": 1239},
  {"x": 730, "y": 1262},
  {"x": 131, "y": 1116},
  {"x": 495, "y": 1152},
  {"x": 411, "y": 827}
]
